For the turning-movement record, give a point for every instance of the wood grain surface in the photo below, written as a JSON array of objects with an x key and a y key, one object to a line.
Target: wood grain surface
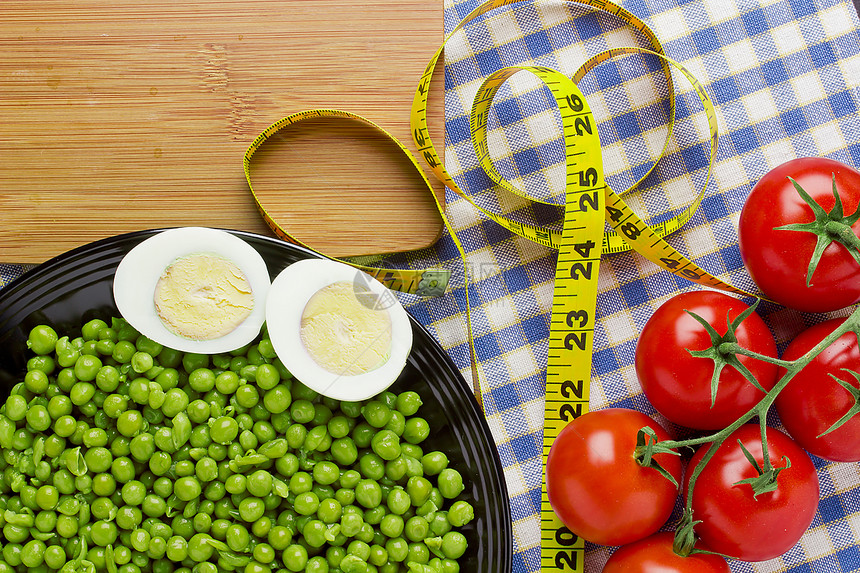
[{"x": 124, "y": 115}]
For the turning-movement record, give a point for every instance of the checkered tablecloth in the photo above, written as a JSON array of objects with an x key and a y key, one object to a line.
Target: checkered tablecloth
[{"x": 783, "y": 75}]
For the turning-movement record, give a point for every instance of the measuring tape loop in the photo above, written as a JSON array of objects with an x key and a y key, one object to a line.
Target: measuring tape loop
[
  {"x": 424, "y": 141},
  {"x": 425, "y": 282}
]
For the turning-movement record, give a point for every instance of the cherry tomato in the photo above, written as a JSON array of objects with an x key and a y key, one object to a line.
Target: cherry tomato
[
  {"x": 733, "y": 521},
  {"x": 596, "y": 486},
  {"x": 778, "y": 259},
  {"x": 813, "y": 401},
  {"x": 654, "y": 554},
  {"x": 678, "y": 384}
]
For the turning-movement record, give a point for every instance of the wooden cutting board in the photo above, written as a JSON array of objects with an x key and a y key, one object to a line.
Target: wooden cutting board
[{"x": 121, "y": 115}]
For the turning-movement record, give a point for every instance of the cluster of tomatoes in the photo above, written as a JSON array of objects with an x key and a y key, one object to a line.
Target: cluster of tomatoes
[{"x": 757, "y": 491}]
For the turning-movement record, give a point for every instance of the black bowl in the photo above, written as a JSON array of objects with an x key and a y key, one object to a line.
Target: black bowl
[{"x": 76, "y": 286}]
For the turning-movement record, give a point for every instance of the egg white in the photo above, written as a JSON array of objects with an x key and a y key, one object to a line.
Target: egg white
[
  {"x": 138, "y": 273},
  {"x": 288, "y": 296}
]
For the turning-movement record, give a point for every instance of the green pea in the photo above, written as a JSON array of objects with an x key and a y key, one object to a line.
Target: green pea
[
  {"x": 104, "y": 533},
  {"x": 90, "y": 330},
  {"x": 236, "y": 484},
  {"x": 187, "y": 488},
  {"x": 418, "y": 553},
  {"x": 142, "y": 362},
  {"x": 175, "y": 401},
  {"x": 450, "y": 483},
  {"x": 16, "y": 407},
  {"x": 353, "y": 564},
  {"x": 329, "y": 510},
  {"x": 42, "y": 339},
  {"x": 376, "y": 413},
  {"x": 36, "y": 381},
  {"x": 368, "y": 493},
  {"x": 267, "y": 376},
  {"x": 277, "y": 399},
  {"x": 86, "y": 369},
  {"x": 434, "y": 462},
  {"x": 224, "y": 430},
  {"x": 408, "y": 402},
  {"x": 142, "y": 447},
  {"x": 287, "y": 465},
  {"x": 38, "y": 418},
  {"x": 416, "y": 528},
  {"x": 47, "y": 497},
  {"x": 259, "y": 483},
  {"x": 454, "y": 544},
  {"x": 398, "y": 501},
  {"x": 371, "y": 466},
  {"x": 295, "y": 557},
  {"x": 247, "y": 396},
  {"x": 317, "y": 564},
  {"x": 314, "y": 533},
  {"x": 416, "y": 431},
  {"x": 279, "y": 537},
  {"x": 206, "y": 469},
  {"x": 386, "y": 444},
  {"x": 153, "y": 506},
  {"x": 238, "y": 538},
  {"x": 133, "y": 492},
  {"x": 419, "y": 489},
  {"x": 302, "y": 411},
  {"x": 177, "y": 548},
  {"x": 251, "y": 509},
  {"x": 392, "y": 525},
  {"x": 227, "y": 382},
  {"x": 129, "y": 517},
  {"x": 362, "y": 434},
  {"x": 33, "y": 553},
  {"x": 122, "y": 352},
  {"x": 108, "y": 378},
  {"x": 397, "y": 423}
]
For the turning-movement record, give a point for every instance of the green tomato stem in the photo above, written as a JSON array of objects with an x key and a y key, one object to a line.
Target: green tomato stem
[
  {"x": 735, "y": 348},
  {"x": 760, "y": 410}
]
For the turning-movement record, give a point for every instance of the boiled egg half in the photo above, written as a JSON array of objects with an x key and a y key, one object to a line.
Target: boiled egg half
[
  {"x": 194, "y": 289},
  {"x": 336, "y": 329}
]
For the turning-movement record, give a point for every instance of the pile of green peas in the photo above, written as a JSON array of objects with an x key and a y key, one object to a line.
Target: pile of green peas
[{"x": 121, "y": 455}]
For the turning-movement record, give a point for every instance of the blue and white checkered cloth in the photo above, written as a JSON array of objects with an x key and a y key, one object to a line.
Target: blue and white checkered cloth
[{"x": 783, "y": 76}]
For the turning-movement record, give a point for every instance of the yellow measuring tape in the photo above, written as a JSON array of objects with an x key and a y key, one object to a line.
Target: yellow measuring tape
[{"x": 580, "y": 243}]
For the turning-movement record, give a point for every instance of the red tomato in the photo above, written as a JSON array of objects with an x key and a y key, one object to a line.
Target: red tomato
[
  {"x": 678, "y": 384},
  {"x": 596, "y": 486},
  {"x": 813, "y": 401},
  {"x": 655, "y": 555},
  {"x": 735, "y": 523},
  {"x": 778, "y": 259}
]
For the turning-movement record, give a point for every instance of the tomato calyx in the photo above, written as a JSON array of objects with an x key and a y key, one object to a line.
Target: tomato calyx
[
  {"x": 647, "y": 446},
  {"x": 855, "y": 409},
  {"x": 723, "y": 349},
  {"x": 828, "y": 228},
  {"x": 766, "y": 481},
  {"x": 685, "y": 535}
]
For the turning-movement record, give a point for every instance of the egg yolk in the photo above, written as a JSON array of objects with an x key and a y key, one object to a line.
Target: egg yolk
[
  {"x": 343, "y": 335},
  {"x": 203, "y": 297}
]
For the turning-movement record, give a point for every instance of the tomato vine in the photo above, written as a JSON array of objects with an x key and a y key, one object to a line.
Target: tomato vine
[{"x": 724, "y": 352}]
